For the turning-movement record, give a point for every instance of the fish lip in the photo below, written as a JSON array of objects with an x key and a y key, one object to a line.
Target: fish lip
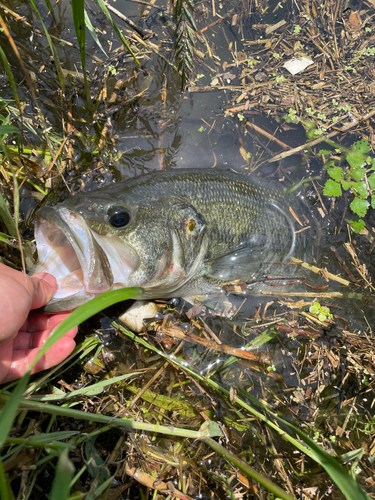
[{"x": 92, "y": 272}]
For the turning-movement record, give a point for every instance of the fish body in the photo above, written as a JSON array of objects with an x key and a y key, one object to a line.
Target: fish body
[{"x": 173, "y": 233}]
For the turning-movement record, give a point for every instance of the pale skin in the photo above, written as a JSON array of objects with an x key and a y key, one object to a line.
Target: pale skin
[{"x": 22, "y": 331}]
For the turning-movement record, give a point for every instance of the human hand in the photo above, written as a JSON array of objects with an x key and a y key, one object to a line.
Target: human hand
[{"x": 22, "y": 332}]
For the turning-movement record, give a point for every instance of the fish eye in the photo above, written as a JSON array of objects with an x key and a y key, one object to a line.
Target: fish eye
[{"x": 118, "y": 216}]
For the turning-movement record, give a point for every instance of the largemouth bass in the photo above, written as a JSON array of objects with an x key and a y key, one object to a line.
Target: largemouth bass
[{"x": 174, "y": 233}]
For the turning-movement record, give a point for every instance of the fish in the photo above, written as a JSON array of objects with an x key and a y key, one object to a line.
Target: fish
[{"x": 174, "y": 233}]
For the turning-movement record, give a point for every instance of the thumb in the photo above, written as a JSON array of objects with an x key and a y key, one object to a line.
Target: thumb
[{"x": 45, "y": 287}]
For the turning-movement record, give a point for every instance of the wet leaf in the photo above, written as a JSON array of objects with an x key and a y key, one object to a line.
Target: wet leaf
[
  {"x": 346, "y": 185},
  {"x": 190, "y": 34},
  {"x": 356, "y": 157},
  {"x": 371, "y": 180},
  {"x": 190, "y": 18},
  {"x": 359, "y": 206},
  {"x": 335, "y": 173},
  {"x": 357, "y": 173},
  {"x": 190, "y": 5},
  {"x": 332, "y": 188},
  {"x": 314, "y": 309},
  {"x": 363, "y": 146},
  {"x": 357, "y": 225},
  {"x": 325, "y": 312},
  {"x": 361, "y": 189}
]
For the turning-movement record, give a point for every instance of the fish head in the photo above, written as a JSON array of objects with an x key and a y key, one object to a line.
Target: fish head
[{"x": 104, "y": 240}]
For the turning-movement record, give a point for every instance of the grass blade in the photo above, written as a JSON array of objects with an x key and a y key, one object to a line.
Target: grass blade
[
  {"x": 64, "y": 474},
  {"x": 12, "y": 82},
  {"x": 78, "y": 13},
  {"x": 51, "y": 45},
  {"x": 5, "y": 489},
  {"x": 50, "y": 8},
  {"x": 115, "y": 27},
  {"x": 9, "y": 129},
  {"x": 249, "y": 471},
  {"x": 344, "y": 481},
  {"x": 7, "y": 218},
  {"x": 92, "y": 31},
  {"x": 212, "y": 430},
  {"x": 89, "y": 391},
  {"x": 81, "y": 314},
  {"x": 349, "y": 487}
]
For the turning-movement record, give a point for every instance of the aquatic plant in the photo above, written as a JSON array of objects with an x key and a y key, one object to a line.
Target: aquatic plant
[
  {"x": 185, "y": 39},
  {"x": 358, "y": 178}
]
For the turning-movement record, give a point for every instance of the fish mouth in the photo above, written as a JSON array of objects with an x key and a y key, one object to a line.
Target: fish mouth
[{"x": 74, "y": 254}]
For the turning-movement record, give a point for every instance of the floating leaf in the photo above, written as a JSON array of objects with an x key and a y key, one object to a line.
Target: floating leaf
[
  {"x": 357, "y": 173},
  {"x": 314, "y": 309},
  {"x": 359, "y": 206},
  {"x": 361, "y": 189},
  {"x": 356, "y": 157},
  {"x": 357, "y": 225},
  {"x": 325, "y": 312},
  {"x": 332, "y": 188},
  {"x": 371, "y": 180},
  {"x": 324, "y": 152},
  {"x": 335, "y": 173},
  {"x": 362, "y": 145}
]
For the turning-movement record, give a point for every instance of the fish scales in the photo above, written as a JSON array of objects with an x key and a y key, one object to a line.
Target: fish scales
[{"x": 172, "y": 233}]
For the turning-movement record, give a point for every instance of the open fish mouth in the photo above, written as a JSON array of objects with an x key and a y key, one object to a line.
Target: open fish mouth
[{"x": 73, "y": 253}]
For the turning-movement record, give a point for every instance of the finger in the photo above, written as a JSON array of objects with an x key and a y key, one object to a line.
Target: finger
[
  {"x": 27, "y": 340},
  {"x": 23, "y": 357},
  {"x": 41, "y": 287},
  {"x": 5, "y": 359},
  {"x": 44, "y": 288},
  {"x": 36, "y": 322}
]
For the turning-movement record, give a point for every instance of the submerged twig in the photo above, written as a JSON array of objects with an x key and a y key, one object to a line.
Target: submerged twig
[
  {"x": 143, "y": 33},
  {"x": 323, "y": 138}
]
